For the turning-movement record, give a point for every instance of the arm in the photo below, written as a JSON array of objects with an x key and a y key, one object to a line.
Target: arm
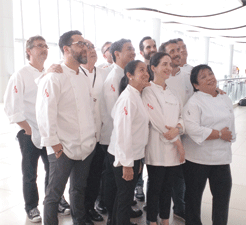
[{"x": 46, "y": 111}]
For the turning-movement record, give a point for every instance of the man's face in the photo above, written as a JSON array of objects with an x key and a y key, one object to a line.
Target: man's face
[
  {"x": 39, "y": 51},
  {"x": 183, "y": 50},
  {"x": 174, "y": 51},
  {"x": 79, "y": 50},
  {"x": 91, "y": 52},
  {"x": 149, "y": 49},
  {"x": 107, "y": 55},
  {"x": 127, "y": 53}
]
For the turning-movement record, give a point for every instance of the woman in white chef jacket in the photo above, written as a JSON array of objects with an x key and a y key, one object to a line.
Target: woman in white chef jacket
[
  {"x": 209, "y": 122},
  {"x": 164, "y": 152},
  {"x": 129, "y": 138}
]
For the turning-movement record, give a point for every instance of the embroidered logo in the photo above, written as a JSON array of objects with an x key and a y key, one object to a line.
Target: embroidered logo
[
  {"x": 46, "y": 92},
  {"x": 15, "y": 89},
  {"x": 112, "y": 87},
  {"x": 150, "y": 106},
  {"x": 125, "y": 110}
]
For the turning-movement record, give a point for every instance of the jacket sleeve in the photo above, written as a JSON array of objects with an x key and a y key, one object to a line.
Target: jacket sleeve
[
  {"x": 13, "y": 99},
  {"x": 155, "y": 114},
  {"x": 192, "y": 117},
  {"x": 46, "y": 110},
  {"x": 124, "y": 118}
]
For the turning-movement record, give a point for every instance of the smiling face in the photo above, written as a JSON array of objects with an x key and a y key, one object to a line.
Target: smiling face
[
  {"x": 39, "y": 51},
  {"x": 140, "y": 78},
  {"x": 149, "y": 49},
  {"x": 91, "y": 52},
  {"x": 207, "y": 82},
  {"x": 127, "y": 53},
  {"x": 173, "y": 50},
  {"x": 163, "y": 69},
  {"x": 183, "y": 50},
  {"x": 107, "y": 55}
]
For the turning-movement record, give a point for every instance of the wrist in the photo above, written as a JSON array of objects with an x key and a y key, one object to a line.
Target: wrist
[{"x": 220, "y": 135}]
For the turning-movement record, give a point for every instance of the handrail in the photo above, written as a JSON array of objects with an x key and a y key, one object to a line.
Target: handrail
[{"x": 227, "y": 79}]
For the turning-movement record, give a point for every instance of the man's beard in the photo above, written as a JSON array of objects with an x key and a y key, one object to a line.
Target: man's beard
[
  {"x": 79, "y": 57},
  {"x": 149, "y": 55}
]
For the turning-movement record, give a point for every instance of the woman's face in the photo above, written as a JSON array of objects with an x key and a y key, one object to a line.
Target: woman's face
[
  {"x": 163, "y": 69},
  {"x": 206, "y": 81},
  {"x": 141, "y": 76}
]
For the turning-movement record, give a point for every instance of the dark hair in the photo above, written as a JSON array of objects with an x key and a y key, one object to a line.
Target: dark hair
[
  {"x": 155, "y": 60},
  {"x": 130, "y": 68},
  {"x": 141, "y": 46},
  {"x": 163, "y": 46},
  {"x": 106, "y": 43},
  {"x": 117, "y": 46},
  {"x": 194, "y": 74},
  {"x": 29, "y": 43},
  {"x": 66, "y": 39},
  {"x": 179, "y": 39}
]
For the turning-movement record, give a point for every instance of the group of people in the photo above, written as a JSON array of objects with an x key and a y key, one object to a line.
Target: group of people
[{"x": 99, "y": 125}]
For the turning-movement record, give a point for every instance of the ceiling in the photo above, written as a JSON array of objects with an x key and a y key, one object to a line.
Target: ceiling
[{"x": 212, "y": 18}]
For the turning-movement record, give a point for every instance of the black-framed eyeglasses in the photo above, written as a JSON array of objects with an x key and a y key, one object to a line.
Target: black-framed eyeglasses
[
  {"x": 107, "y": 49},
  {"x": 81, "y": 44},
  {"x": 40, "y": 46}
]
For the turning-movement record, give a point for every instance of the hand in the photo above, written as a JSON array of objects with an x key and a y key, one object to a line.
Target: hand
[
  {"x": 220, "y": 91},
  {"x": 172, "y": 133},
  {"x": 58, "y": 149},
  {"x": 55, "y": 68},
  {"x": 226, "y": 134},
  {"x": 28, "y": 130},
  {"x": 127, "y": 173}
]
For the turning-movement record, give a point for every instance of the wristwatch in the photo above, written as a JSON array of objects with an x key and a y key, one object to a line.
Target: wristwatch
[{"x": 220, "y": 134}]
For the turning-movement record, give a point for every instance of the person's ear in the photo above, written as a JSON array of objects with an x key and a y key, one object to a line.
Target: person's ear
[{"x": 130, "y": 77}]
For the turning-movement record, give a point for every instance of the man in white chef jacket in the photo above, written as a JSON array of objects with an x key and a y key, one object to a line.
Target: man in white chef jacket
[
  {"x": 106, "y": 55},
  {"x": 147, "y": 47},
  {"x": 184, "y": 54},
  {"x": 19, "y": 105},
  {"x": 66, "y": 122}
]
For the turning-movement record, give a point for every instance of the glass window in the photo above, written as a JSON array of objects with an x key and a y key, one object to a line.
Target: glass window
[
  {"x": 53, "y": 56},
  {"x": 77, "y": 16},
  {"x": 49, "y": 20},
  {"x": 89, "y": 17},
  {"x": 17, "y": 19},
  {"x": 64, "y": 16},
  {"x": 31, "y": 20},
  {"x": 19, "y": 55}
]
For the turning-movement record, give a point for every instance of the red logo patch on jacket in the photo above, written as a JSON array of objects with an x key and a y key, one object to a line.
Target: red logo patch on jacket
[
  {"x": 15, "y": 88},
  {"x": 125, "y": 110},
  {"x": 46, "y": 92},
  {"x": 112, "y": 87},
  {"x": 150, "y": 106}
]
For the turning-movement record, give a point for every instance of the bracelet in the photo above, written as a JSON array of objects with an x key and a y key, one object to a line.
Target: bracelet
[
  {"x": 59, "y": 151},
  {"x": 220, "y": 134}
]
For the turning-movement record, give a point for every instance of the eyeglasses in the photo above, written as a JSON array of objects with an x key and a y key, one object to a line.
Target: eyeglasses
[
  {"x": 41, "y": 46},
  {"x": 91, "y": 46},
  {"x": 81, "y": 44},
  {"x": 106, "y": 50}
]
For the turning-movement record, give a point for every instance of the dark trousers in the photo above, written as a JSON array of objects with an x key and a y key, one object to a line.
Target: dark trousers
[
  {"x": 220, "y": 182},
  {"x": 159, "y": 192},
  {"x": 124, "y": 196},
  {"x": 94, "y": 178},
  {"x": 110, "y": 187},
  {"x": 60, "y": 170},
  {"x": 30, "y": 155},
  {"x": 178, "y": 192}
]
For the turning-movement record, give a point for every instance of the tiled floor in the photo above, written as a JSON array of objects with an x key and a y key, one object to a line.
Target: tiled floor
[{"x": 11, "y": 199}]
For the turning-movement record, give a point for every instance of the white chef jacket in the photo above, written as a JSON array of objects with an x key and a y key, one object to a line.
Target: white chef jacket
[
  {"x": 97, "y": 77},
  {"x": 65, "y": 113},
  {"x": 105, "y": 64},
  {"x": 109, "y": 97},
  {"x": 187, "y": 68},
  {"x": 20, "y": 99},
  {"x": 130, "y": 133},
  {"x": 202, "y": 114},
  {"x": 181, "y": 86},
  {"x": 164, "y": 109}
]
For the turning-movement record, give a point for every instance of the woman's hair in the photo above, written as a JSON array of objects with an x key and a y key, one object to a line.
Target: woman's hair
[
  {"x": 130, "y": 68},
  {"x": 155, "y": 60},
  {"x": 194, "y": 74}
]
